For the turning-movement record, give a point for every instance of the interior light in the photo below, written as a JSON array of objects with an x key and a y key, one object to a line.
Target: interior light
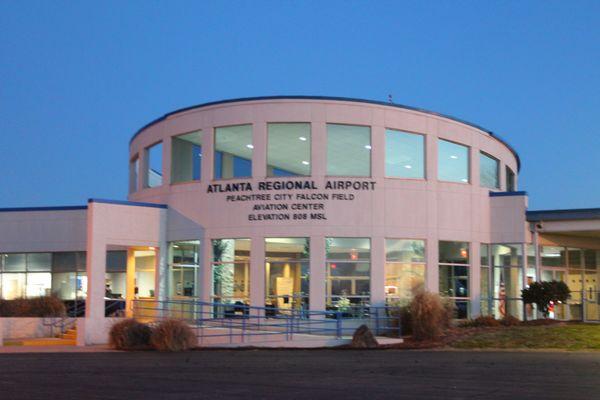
[
  {"x": 454, "y": 157},
  {"x": 464, "y": 180},
  {"x": 368, "y": 146},
  {"x": 408, "y": 166},
  {"x": 302, "y": 138},
  {"x": 305, "y": 162},
  {"x": 249, "y": 146},
  {"x": 152, "y": 248}
]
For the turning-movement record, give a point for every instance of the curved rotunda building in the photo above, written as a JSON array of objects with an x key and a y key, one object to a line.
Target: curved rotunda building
[{"x": 312, "y": 203}]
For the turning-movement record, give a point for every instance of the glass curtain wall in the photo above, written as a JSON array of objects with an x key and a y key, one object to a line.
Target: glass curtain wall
[
  {"x": 233, "y": 152},
  {"x": 489, "y": 171},
  {"x": 288, "y": 149},
  {"x": 404, "y": 154},
  {"x": 404, "y": 269},
  {"x": 184, "y": 261},
  {"x": 287, "y": 274},
  {"x": 231, "y": 271},
  {"x": 348, "y": 286},
  {"x": 507, "y": 260},
  {"x": 348, "y": 150},
  {"x": 153, "y": 175},
  {"x": 453, "y": 162},
  {"x": 186, "y": 157},
  {"x": 454, "y": 275},
  {"x": 69, "y": 276}
]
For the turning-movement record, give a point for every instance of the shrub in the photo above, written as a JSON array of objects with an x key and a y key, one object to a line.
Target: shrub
[
  {"x": 482, "y": 321},
  {"x": 41, "y": 307},
  {"x": 130, "y": 334},
  {"x": 542, "y": 293},
  {"x": 509, "y": 320},
  {"x": 173, "y": 335},
  {"x": 429, "y": 316}
]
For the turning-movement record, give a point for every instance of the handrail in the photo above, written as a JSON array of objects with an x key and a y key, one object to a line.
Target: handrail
[{"x": 241, "y": 320}]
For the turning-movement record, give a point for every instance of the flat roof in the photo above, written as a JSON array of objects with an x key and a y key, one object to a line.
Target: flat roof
[
  {"x": 563, "y": 215},
  {"x": 331, "y": 98}
]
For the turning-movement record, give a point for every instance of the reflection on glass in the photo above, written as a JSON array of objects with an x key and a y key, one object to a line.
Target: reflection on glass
[
  {"x": 186, "y": 157},
  {"x": 348, "y": 150},
  {"x": 233, "y": 152},
  {"x": 453, "y": 162},
  {"x": 154, "y": 172},
  {"x": 231, "y": 271},
  {"x": 404, "y": 154},
  {"x": 489, "y": 171},
  {"x": 288, "y": 149}
]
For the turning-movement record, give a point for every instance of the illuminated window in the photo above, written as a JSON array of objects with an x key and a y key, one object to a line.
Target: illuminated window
[
  {"x": 186, "y": 157},
  {"x": 231, "y": 271},
  {"x": 453, "y": 162},
  {"x": 288, "y": 149},
  {"x": 184, "y": 262},
  {"x": 233, "y": 152},
  {"x": 404, "y": 154},
  {"x": 348, "y": 150},
  {"x": 404, "y": 269},
  {"x": 454, "y": 274},
  {"x": 287, "y": 273}
]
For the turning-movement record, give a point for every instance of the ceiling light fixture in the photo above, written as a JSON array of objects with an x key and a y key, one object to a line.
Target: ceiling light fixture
[
  {"x": 454, "y": 157},
  {"x": 302, "y": 138},
  {"x": 368, "y": 146},
  {"x": 249, "y": 146},
  {"x": 408, "y": 166},
  {"x": 305, "y": 162}
]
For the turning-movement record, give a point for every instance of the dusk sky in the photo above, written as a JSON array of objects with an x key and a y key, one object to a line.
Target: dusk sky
[{"x": 77, "y": 79}]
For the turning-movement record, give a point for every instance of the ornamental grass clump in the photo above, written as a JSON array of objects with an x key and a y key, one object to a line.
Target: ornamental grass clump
[
  {"x": 36, "y": 307},
  {"x": 130, "y": 334},
  {"x": 430, "y": 316},
  {"x": 173, "y": 335}
]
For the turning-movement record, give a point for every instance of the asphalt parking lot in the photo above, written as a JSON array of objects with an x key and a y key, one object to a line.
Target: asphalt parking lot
[{"x": 301, "y": 374}]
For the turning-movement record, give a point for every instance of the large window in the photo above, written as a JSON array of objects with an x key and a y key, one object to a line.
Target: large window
[
  {"x": 288, "y": 149},
  {"x": 510, "y": 180},
  {"x": 507, "y": 260},
  {"x": 453, "y": 162},
  {"x": 116, "y": 274},
  {"x": 134, "y": 172},
  {"x": 26, "y": 275},
  {"x": 404, "y": 269},
  {"x": 454, "y": 274},
  {"x": 69, "y": 277},
  {"x": 404, "y": 155},
  {"x": 231, "y": 271},
  {"x": 348, "y": 274},
  {"x": 184, "y": 262},
  {"x": 153, "y": 175},
  {"x": 186, "y": 157},
  {"x": 489, "y": 171},
  {"x": 348, "y": 150},
  {"x": 287, "y": 273},
  {"x": 233, "y": 152},
  {"x": 145, "y": 273}
]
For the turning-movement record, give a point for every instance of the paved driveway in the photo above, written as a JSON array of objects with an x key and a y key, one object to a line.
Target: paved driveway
[{"x": 301, "y": 374}]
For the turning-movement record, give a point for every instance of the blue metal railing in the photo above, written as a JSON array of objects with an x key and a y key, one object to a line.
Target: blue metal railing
[{"x": 239, "y": 321}]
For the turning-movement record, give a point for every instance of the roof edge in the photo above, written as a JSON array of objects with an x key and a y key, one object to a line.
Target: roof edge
[
  {"x": 330, "y": 98},
  {"x": 51, "y": 208},
  {"x": 128, "y": 203}
]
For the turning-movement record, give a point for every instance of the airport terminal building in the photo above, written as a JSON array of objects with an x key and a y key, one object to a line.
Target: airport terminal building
[{"x": 315, "y": 203}]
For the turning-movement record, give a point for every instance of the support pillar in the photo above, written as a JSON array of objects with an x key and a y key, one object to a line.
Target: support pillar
[{"x": 318, "y": 274}]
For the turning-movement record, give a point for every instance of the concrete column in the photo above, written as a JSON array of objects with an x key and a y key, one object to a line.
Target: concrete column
[
  {"x": 166, "y": 161},
  {"x": 205, "y": 270},
  {"x": 377, "y": 271},
  {"x": 161, "y": 261},
  {"x": 257, "y": 272},
  {"x": 432, "y": 272},
  {"x": 207, "y": 163},
  {"x": 475, "y": 279},
  {"x": 96, "y": 271},
  {"x": 318, "y": 145},
  {"x": 317, "y": 273},
  {"x": 130, "y": 283},
  {"x": 259, "y": 153}
]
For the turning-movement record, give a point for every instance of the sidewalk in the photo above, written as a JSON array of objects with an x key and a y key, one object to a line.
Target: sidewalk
[{"x": 55, "y": 349}]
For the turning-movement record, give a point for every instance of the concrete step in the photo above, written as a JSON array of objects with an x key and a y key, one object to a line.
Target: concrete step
[{"x": 41, "y": 342}]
